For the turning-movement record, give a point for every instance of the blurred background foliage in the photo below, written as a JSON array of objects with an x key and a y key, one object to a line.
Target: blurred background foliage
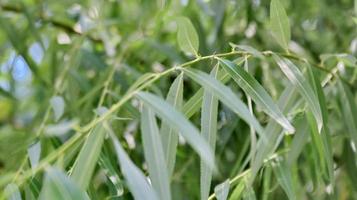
[{"x": 68, "y": 48}]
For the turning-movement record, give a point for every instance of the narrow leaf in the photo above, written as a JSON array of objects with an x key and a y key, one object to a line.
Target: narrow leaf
[
  {"x": 34, "y": 152},
  {"x": 57, "y": 104},
  {"x": 58, "y": 186},
  {"x": 283, "y": 175},
  {"x": 298, "y": 80},
  {"x": 209, "y": 132},
  {"x": 169, "y": 136},
  {"x": 256, "y": 92},
  {"x": 186, "y": 36},
  {"x": 136, "y": 180},
  {"x": 221, "y": 191},
  {"x": 88, "y": 157},
  {"x": 154, "y": 154},
  {"x": 279, "y": 23},
  {"x": 225, "y": 95},
  {"x": 167, "y": 113}
]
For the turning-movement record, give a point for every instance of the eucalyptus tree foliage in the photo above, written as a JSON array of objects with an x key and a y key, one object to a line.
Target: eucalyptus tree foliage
[{"x": 178, "y": 99}]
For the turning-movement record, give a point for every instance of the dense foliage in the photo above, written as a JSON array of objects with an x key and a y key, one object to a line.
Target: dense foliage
[{"x": 178, "y": 99}]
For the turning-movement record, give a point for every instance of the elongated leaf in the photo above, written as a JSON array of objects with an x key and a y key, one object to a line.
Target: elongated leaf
[
  {"x": 12, "y": 192},
  {"x": 283, "y": 175},
  {"x": 297, "y": 79},
  {"x": 194, "y": 103},
  {"x": 137, "y": 182},
  {"x": 169, "y": 136},
  {"x": 88, "y": 156},
  {"x": 325, "y": 133},
  {"x": 180, "y": 123},
  {"x": 279, "y": 23},
  {"x": 186, "y": 36},
  {"x": 349, "y": 110},
  {"x": 238, "y": 191},
  {"x": 57, "y": 104},
  {"x": 58, "y": 186},
  {"x": 34, "y": 152},
  {"x": 225, "y": 95},
  {"x": 256, "y": 92},
  {"x": 154, "y": 154},
  {"x": 273, "y": 131},
  {"x": 111, "y": 173},
  {"x": 209, "y": 132},
  {"x": 249, "y": 193},
  {"x": 221, "y": 191}
]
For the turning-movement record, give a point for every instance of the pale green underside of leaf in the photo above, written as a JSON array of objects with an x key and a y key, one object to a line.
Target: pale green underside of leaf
[
  {"x": 136, "y": 180},
  {"x": 209, "y": 113},
  {"x": 283, "y": 174},
  {"x": 12, "y": 192},
  {"x": 279, "y": 23},
  {"x": 169, "y": 136},
  {"x": 258, "y": 94},
  {"x": 221, "y": 191},
  {"x": 88, "y": 156},
  {"x": 154, "y": 155},
  {"x": 225, "y": 94},
  {"x": 177, "y": 120},
  {"x": 298, "y": 80},
  {"x": 187, "y": 37}
]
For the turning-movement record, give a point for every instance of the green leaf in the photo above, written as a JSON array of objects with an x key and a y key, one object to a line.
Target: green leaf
[
  {"x": 169, "y": 136},
  {"x": 249, "y": 193},
  {"x": 256, "y": 92},
  {"x": 136, "y": 180},
  {"x": 195, "y": 102},
  {"x": 279, "y": 24},
  {"x": 57, "y": 104},
  {"x": 110, "y": 171},
  {"x": 57, "y": 186},
  {"x": 34, "y": 152},
  {"x": 296, "y": 77},
  {"x": 177, "y": 120},
  {"x": 221, "y": 191},
  {"x": 88, "y": 157},
  {"x": 225, "y": 95},
  {"x": 349, "y": 111},
  {"x": 238, "y": 191},
  {"x": 12, "y": 192},
  {"x": 154, "y": 154},
  {"x": 186, "y": 36},
  {"x": 209, "y": 132},
  {"x": 283, "y": 174}
]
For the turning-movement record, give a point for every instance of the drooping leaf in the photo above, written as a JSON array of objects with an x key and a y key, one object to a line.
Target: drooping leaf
[
  {"x": 248, "y": 49},
  {"x": 154, "y": 154},
  {"x": 256, "y": 92},
  {"x": 136, "y": 180},
  {"x": 187, "y": 37},
  {"x": 88, "y": 157},
  {"x": 225, "y": 95},
  {"x": 209, "y": 114},
  {"x": 298, "y": 80},
  {"x": 279, "y": 23},
  {"x": 58, "y": 186},
  {"x": 221, "y": 191},
  {"x": 169, "y": 136},
  {"x": 167, "y": 113}
]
